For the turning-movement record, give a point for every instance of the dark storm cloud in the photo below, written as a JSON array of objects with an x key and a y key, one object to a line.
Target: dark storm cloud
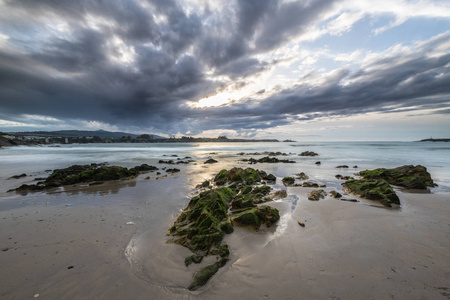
[{"x": 137, "y": 63}]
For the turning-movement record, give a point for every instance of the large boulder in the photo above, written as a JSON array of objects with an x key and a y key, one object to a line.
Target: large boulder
[
  {"x": 373, "y": 189},
  {"x": 408, "y": 176}
]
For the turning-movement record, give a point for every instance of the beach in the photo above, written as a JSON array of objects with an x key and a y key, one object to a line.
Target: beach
[{"x": 109, "y": 241}]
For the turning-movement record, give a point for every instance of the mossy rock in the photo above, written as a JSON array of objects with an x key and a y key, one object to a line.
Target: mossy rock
[
  {"x": 202, "y": 276},
  {"x": 288, "y": 181},
  {"x": 409, "y": 176},
  {"x": 256, "y": 216},
  {"x": 372, "y": 189},
  {"x": 83, "y": 174},
  {"x": 248, "y": 176}
]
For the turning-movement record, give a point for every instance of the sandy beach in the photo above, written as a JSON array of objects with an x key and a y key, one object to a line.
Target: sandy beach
[{"x": 109, "y": 242}]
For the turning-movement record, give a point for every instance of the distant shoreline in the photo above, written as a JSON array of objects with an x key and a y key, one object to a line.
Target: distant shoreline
[{"x": 435, "y": 140}]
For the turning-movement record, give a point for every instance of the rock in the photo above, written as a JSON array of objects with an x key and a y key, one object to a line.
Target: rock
[
  {"x": 302, "y": 176},
  {"x": 335, "y": 194},
  {"x": 288, "y": 181},
  {"x": 308, "y": 153},
  {"x": 202, "y": 276},
  {"x": 310, "y": 184},
  {"x": 373, "y": 189},
  {"x": 211, "y": 161},
  {"x": 301, "y": 223},
  {"x": 279, "y": 194},
  {"x": 342, "y": 167},
  {"x": 316, "y": 195},
  {"x": 317, "y": 162},
  {"x": 339, "y": 176},
  {"x": 409, "y": 176},
  {"x": 174, "y": 170},
  {"x": 18, "y": 176},
  {"x": 349, "y": 200},
  {"x": 196, "y": 259},
  {"x": 206, "y": 219},
  {"x": 79, "y": 174},
  {"x": 238, "y": 175},
  {"x": 268, "y": 159},
  {"x": 145, "y": 168},
  {"x": 355, "y": 167},
  {"x": 205, "y": 184},
  {"x": 256, "y": 216}
]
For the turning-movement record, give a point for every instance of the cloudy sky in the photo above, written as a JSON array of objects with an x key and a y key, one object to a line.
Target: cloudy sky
[{"x": 306, "y": 70}]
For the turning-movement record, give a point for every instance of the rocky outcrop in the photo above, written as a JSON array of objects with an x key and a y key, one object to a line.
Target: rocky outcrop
[
  {"x": 408, "y": 176},
  {"x": 80, "y": 174},
  {"x": 211, "y": 214},
  {"x": 372, "y": 189},
  {"x": 268, "y": 159},
  {"x": 308, "y": 153}
]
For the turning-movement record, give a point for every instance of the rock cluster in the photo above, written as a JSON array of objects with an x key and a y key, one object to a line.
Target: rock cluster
[
  {"x": 213, "y": 213},
  {"x": 85, "y": 174},
  {"x": 267, "y": 159}
]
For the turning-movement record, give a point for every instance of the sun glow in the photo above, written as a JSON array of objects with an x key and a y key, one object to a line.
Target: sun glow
[{"x": 215, "y": 100}]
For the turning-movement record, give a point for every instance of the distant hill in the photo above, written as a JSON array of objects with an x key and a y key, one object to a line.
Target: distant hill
[{"x": 81, "y": 133}]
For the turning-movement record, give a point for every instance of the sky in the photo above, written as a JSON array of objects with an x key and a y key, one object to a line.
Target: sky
[{"x": 310, "y": 70}]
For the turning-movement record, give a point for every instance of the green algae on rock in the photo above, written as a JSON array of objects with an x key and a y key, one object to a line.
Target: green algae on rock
[
  {"x": 204, "y": 222},
  {"x": 82, "y": 174},
  {"x": 372, "y": 189},
  {"x": 409, "y": 176},
  {"x": 288, "y": 181}
]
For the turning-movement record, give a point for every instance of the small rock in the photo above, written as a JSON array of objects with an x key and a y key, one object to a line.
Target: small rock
[
  {"x": 302, "y": 176},
  {"x": 18, "y": 176},
  {"x": 335, "y": 194},
  {"x": 211, "y": 161},
  {"x": 5, "y": 249},
  {"x": 308, "y": 153},
  {"x": 342, "y": 167},
  {"x": 316, "y": 195},
  {"x": 301, "y": 223},
  {"x": 70, "y": 267},
  {"x": 36, "y": 295},
  {"x": 317, "y": 162}
]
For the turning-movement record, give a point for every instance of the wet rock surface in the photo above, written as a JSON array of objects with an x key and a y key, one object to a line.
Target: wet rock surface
[
  {"x": 211, "y": 214},
  {"x": 81, "y": 174},
  {"x": 372, "y": 189},
  {"x": 408, "y": 176}
]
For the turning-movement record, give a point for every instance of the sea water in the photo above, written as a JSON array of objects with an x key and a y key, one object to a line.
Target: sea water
[{"x": 365, "y": 155}]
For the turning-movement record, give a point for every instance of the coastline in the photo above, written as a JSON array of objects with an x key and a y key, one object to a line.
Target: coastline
[{"x": 346, "y": 250}]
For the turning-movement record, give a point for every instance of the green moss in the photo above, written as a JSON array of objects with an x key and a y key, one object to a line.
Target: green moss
[
  {"x": 412, "y": 177},
  {"x": 372, "y": 189},
  {"x": 204, "y": 222},
  {"x": 222, "y": 251},
  {"x": 196, "y": 259},
  {"x": 71, "y": 179},
  {"x": 288, "y": 181},
  {"x": 202, "y": 276},
  {"x": 246, "y": 189}
]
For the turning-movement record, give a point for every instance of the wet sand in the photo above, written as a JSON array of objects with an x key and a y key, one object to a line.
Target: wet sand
[{"x": 114, "y": 238}]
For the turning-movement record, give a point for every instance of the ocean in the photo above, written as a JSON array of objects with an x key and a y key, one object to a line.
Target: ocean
[{"x": 435, "y": 156}]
